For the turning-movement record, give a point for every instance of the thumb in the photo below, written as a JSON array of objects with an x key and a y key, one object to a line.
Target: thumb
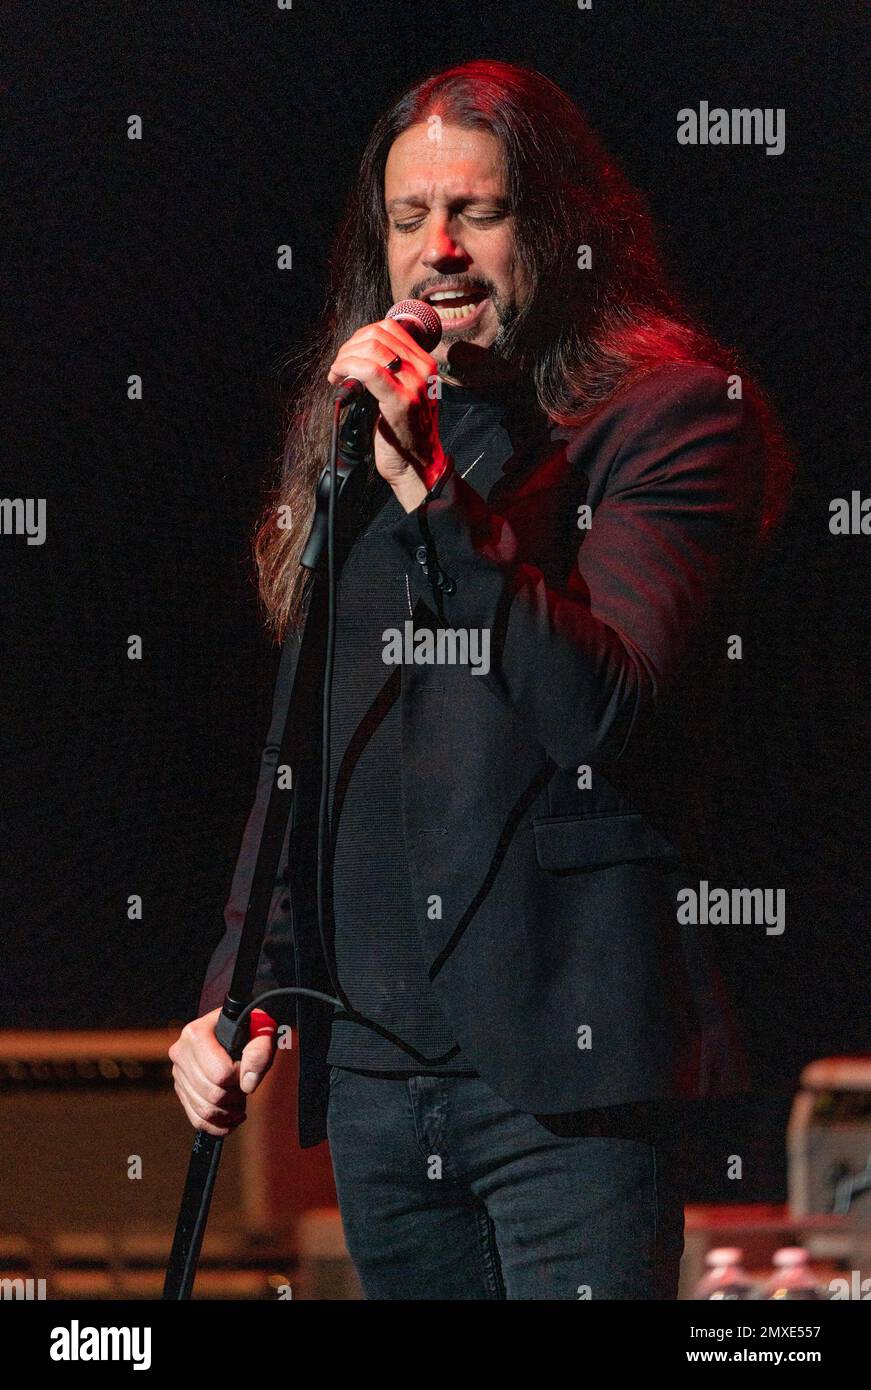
[{"x": 259, "y": 1053}]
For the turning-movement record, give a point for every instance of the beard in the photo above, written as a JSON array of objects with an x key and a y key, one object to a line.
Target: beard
[{"x": 467, "y": 360}]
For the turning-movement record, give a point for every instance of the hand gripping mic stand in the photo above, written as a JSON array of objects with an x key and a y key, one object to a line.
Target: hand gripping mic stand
[{"x": 349, "y": 448}]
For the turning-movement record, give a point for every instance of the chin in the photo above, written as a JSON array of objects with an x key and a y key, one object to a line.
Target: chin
[{"x": 479, "y": 337}]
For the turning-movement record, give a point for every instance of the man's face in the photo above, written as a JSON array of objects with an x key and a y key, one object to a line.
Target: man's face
[{"x": 450, "y": 230}]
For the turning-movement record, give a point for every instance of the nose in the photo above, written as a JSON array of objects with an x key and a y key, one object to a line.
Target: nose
[{"x": 443, "y": 252}]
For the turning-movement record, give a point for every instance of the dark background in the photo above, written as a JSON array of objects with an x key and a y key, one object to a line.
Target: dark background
[{"x": 158, "y": 257}]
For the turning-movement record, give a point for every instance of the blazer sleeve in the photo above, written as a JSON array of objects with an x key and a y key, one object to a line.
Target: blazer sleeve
[
  {"x": 276, "y": 968},
  {"x": 584, "y": 666}
]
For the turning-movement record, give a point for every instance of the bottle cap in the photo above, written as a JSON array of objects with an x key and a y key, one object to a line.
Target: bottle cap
[
  {"x": 724, "y": 1255},
  {"x": 789, "y": 1255}
]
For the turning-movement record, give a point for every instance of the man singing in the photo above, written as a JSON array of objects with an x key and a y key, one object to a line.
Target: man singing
[{"x": 577, "y": 483}]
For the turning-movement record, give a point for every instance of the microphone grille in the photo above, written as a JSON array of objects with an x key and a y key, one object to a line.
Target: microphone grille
[{"x": 424, "y": 316}]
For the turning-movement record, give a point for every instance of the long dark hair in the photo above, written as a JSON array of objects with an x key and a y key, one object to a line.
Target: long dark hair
[{"x": 582, "y": 336}]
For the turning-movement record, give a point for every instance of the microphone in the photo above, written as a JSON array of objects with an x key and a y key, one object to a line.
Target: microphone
[
  {"x": 353, "y": 441},
  {"x": 417, "y": 318}
]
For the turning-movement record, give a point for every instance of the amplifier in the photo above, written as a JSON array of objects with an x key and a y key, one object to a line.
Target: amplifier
[{"x": 94, "y": 1141}]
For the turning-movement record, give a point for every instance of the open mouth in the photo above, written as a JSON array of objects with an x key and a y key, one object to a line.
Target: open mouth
[{"x": 456, "y": 306}]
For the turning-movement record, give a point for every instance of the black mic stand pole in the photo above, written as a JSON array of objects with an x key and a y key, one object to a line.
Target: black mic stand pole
[{"x": 349, "y": 450}]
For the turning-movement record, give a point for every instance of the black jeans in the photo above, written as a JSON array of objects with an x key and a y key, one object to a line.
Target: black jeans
[{"x": 447, "y": 1192}]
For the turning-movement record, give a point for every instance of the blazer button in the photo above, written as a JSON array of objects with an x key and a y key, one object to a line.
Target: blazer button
[
  {"x": 420, "y": 555},
  {"x": 449, "y": 585}
]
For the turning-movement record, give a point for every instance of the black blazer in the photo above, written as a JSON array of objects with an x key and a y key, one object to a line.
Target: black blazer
[{"x": 557, "y": 957}]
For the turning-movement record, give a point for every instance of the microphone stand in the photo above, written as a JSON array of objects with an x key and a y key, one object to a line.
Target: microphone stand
[
  {"x": 349, "y": 449},
  {"x": 354, "y": 447}
]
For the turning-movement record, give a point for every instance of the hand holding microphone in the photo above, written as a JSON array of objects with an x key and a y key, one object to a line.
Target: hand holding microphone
[{"x": 391, "y": 360}]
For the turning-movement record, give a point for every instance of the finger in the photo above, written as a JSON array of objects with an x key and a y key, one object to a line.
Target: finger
[
  {"x": 214, "y": 1118},
  {"x": 385, "y": 386},
  {"x": 406, "y": 344},
  {"x": 215, "y": 1093},
  {"x": 211, "y": 1058},
  {"x": 389, "y": 333},
  {"x": 262, "y": 1026},
  {"x": 256, "y": 1061},
  {"x": 217, "y": 1131},
  {"x": 230, "y": 1105},
  {"x": 225, "y": 1099},
  {"x": 382, "y": 343},
  {"x": 375, "y": 354},
  {"x": 392, "y": 334}
]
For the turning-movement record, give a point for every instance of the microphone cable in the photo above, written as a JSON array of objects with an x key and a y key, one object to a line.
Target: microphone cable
[{"x": 323, "y": 837}]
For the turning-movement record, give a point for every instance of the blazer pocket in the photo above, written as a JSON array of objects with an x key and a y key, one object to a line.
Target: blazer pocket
[{"x": 594, "y": 842}]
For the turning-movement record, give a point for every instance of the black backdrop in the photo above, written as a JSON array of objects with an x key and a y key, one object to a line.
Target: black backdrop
[{"x": 158, "y": 258}]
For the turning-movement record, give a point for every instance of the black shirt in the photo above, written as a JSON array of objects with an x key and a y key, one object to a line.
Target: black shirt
[{"x": 378, "y": 955}]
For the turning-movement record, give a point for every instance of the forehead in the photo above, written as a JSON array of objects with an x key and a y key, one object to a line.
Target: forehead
[{"x": 443, "y": 161}]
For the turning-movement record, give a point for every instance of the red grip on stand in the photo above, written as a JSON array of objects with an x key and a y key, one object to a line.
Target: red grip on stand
[{"x": 262, "y": 1025}]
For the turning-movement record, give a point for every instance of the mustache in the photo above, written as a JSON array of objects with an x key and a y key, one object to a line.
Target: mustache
[{"x": 424, "y": 286}]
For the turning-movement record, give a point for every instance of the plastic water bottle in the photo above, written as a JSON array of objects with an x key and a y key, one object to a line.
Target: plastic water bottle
[
  {"x": 726, "y": 1277},
  {"x": 792, "y": 1278}
]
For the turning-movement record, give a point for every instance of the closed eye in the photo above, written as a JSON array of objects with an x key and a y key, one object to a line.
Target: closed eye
[{"x": 478, "y": 221}]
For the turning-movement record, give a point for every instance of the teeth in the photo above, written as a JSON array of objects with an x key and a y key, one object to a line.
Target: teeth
[
  {"x": 462, "y": 313},
  {"x": 449, "y": 294}
]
